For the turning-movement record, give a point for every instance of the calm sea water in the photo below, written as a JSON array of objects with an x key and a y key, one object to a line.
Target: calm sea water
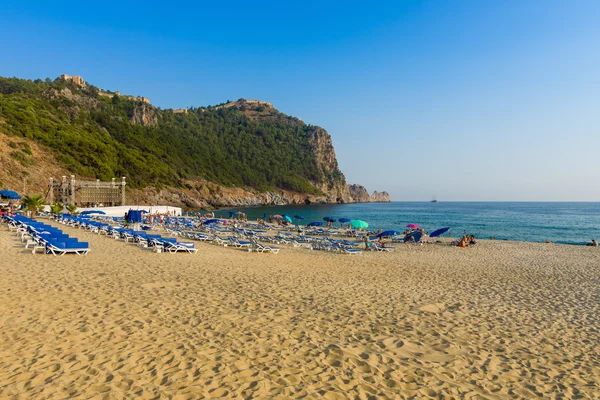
[{"x": 571, "y": 223}]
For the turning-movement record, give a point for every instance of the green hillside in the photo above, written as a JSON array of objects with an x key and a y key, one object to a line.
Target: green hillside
[{"x": 103, "y": 137}]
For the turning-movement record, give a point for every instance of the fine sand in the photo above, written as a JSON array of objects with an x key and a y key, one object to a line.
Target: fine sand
[{"x": 500, "y": 320}]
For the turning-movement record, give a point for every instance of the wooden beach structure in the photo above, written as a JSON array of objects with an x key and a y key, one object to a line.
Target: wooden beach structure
[{"x": 86, "y": 193}]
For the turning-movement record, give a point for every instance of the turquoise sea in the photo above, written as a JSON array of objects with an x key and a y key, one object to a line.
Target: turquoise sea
[{"x": 570, "y": 223}]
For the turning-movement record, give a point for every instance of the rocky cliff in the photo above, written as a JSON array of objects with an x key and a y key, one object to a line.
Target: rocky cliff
[
  {"x": 143, "y": 114},
  {"x": 335, "y": 185},
  {"x": 380, "y": 197},
  {"x": 359, "y": 194}
]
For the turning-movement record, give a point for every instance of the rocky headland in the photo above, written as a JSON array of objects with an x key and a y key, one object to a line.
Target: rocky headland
[
  {"x": 360, "y": 194},
  {"x": 239, "y": 153}
]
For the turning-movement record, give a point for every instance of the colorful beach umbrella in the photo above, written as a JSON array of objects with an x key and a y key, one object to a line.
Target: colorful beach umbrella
[
  {"x": 329, "y": 219},
  {"x": 287, "y": 218},
  {"x": 316, "y": 223},
  {"x": 277, "y": 216},
  {"x": 412, "y": 226},
  {"x": 359, "y": 224},
  {"x": 344, "y": 220},
  {"x": 439, "y": 232}
]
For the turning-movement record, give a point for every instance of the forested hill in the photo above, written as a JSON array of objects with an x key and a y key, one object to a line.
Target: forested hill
[{"x": 98, "y": 134}]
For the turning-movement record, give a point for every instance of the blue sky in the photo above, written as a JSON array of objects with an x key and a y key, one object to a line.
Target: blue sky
[{"x": 462, "y": 100}]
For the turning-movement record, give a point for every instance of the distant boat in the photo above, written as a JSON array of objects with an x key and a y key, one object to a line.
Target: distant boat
[{"x": 434, "y": 200}]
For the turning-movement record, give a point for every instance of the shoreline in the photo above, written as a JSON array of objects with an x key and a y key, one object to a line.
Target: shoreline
[
  {"x": 567, "y": 223},
  {"x": 273, "y": 226}
]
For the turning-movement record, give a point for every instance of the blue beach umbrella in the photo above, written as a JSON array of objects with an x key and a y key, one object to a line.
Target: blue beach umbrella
[
  {"x": 414, "y": 236},
  {"x": 298, "y": 217},
  {"x": 344, "y": 220},
  {"x": 88, "y": 212},
  {"x": 316, "y": 223},
  {"x": 439, "y": 232},
  {"x": 9, "y": 194},
  {"x": 388, "y": 234},
  {"x": 329, "y": 219},
  {"x": 287, "y": 218}
]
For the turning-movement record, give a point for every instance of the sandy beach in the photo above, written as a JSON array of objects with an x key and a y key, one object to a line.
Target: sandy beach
[{"x": 500, "y": 320}]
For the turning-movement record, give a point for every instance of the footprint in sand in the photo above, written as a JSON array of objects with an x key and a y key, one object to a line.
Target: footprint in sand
[
  {"x": 433, "y": 308},
  {"x": 159, "y": 285},
  {"x": 219, "y": 392}
]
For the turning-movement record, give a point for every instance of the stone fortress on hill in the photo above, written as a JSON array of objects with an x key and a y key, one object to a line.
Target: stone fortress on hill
[{"x": 78, "y": 80}]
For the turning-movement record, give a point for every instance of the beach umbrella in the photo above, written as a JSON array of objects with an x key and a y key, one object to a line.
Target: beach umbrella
[
  {"x": 277, "y": 216},
  {"x": 231, "y": 213},
  {"x": 316, "y": 223},
  {"x": 211, "y": 221},
  {"x": 412, "y": 226},
  {"x": 414, "y": 236},
  {"x": 329, "y": 219},
  {"x": 388, "y": 234},
  {"x": 359, "y": 224},
  {"x": 298, "y": 217},
  {"x": 9, "y": 194},
  {"x": 287, "y": 218},
  {"x": 439, "y": 232},
  {"x": 88, "y": 212},
  {"x": 344, "y": 220}
]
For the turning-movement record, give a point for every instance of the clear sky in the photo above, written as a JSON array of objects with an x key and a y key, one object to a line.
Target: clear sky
[{"x": 462, "y": 100}]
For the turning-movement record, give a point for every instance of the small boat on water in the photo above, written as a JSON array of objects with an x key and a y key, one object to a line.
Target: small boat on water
[{"x": 434, "y": 200}]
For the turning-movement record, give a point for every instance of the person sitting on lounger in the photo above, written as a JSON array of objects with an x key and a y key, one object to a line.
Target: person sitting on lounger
[
  {"x": 381, "y": 242},
  {"x": 472, "y": 240},
  {"x": 464, "y": 242},
  {"x": 594, "y": 243}
]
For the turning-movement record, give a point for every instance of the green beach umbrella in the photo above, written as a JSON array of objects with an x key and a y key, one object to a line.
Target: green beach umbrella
[{"x": 359, "y": 224}]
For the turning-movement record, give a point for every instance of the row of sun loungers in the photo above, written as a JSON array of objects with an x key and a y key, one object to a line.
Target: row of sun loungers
[
  {"x": 142, "y": 238},
  {"x": 40, "y": 236},
  {"x": 248, "y": 237},
  {"x": 251, "y": 238}
]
